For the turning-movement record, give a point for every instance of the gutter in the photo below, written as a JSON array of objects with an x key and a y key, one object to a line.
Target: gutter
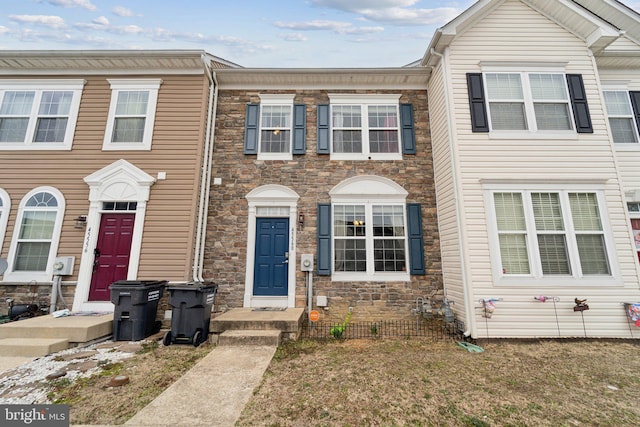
[
  {"x": 205, "y": 185},
  {"x": 468, "y": 307}
]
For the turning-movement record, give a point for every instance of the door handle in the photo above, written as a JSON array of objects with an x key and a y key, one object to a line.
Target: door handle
[
  {"x": 96, "y": 255},
  {"x": 286, "y": 258}
]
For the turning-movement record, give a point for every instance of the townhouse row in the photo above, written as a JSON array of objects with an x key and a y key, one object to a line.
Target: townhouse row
[{"x": 499, "y": 171}]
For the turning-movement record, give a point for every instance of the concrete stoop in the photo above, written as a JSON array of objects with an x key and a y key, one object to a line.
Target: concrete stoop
[
  {"x": 246, "y": 326},
  {"x": 250, "y": 337},
  {"x": 31, "y": 347},
  {"x": 44, "y": 335}
]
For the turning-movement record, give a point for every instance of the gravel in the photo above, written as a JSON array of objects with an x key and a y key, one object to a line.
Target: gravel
[{"x": 26, "y": 384}]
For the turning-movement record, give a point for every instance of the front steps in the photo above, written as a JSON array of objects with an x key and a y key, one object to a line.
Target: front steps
[
  {"x": 44, "y": 335},
  {"x": 246, "y": 326}
]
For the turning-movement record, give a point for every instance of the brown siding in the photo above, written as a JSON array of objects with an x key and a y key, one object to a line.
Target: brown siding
[
  {"x": 176, "y": 149},
  {"x": 312, "y": 176}
]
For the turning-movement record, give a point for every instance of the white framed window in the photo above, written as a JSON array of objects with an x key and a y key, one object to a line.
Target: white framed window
[
  {"x": 276, "y": 120},
  {"x": 5, "y": 208},
  {"x": 131, "y": 114},
  {"x": 621, "y": 117},
  {"x": 369, "y": 239},
  {"x": 365, "y": 127},
  {"x": 36, "y": 236},
  {"x": 38, "y": 115},
  {"x": 528, "y": 102},
  {"x": 550, "y": 234}
]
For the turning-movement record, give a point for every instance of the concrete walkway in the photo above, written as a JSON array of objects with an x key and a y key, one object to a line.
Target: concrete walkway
[{"x": 212, "y": 393}]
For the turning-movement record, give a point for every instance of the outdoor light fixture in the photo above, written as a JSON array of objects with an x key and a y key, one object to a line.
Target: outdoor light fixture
[
  {"x": 81, "y": 221},
  {"x": 301, "y": 220}
]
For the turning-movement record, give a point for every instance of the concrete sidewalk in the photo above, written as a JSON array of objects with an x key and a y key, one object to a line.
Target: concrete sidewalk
[{"x": 212, "y": 393}]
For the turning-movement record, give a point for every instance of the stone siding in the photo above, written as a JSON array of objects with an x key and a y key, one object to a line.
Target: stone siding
[{"x": 312, "y": 176}]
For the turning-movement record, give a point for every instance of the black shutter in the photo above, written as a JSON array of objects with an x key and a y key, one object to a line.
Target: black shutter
[
  {"x": 251, "y": 129},
  {"x": 579, "y": 102},
  {"x": 299, "y": 128},
  {"x": 635, "y": 103},
  {"x": 323, "y": 129},
  {"x": 324, "y": 240},
  {"x": 477, "y": 104},
  {"x": 416, "y": 241},
  {"x": 408, "y": 133}
]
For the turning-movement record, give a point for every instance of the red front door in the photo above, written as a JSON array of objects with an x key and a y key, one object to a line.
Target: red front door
[{"x": 111, "y": 254}]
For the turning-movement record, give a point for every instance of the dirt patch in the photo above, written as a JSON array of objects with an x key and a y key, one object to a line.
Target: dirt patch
[
  {"x": 420, "y": 382},
  {"x": 150, "y": 371}
]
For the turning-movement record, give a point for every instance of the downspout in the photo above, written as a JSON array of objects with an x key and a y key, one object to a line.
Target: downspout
[
  {"x": 198, "y": 256},
  {"x": 469, "y": 309}
]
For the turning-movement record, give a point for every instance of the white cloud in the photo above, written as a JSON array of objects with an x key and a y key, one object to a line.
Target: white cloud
[
  {"x": 122, "y": 11},
  {"x": 393, "y": 12},
  {"x": 293, "y": 37},
  {"x": 54, "y": 22},
  {"x": 101, "y": 20},
  {"x": 334, "y": 26},
  {"x": 84, "y": 4}
]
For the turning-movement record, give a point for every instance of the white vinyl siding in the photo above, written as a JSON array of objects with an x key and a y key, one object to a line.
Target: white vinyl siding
[{"x": 514, "y": 34}]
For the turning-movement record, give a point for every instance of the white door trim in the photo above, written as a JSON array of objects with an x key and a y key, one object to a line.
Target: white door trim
[
  {"x": 119, "y": 182},
  {"x": 271, "y": 196}
]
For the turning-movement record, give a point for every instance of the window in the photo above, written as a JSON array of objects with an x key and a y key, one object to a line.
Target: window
[
  {"x": 276, "y": 115},
  {"x": 365, "y": 127},
  {"x": 369, "y": 238},
  {"x": 621, "y": 116},
  {"x": 5, "y": 205},
  {"x": 131, "y": 114},
  {"x": 516, "y": 104},
  {"x": 550, "y": 233},
  {"x": 528, "y": 101},
  {"x": 39, "y": 115},
  {"x": 35, "y": 239}
]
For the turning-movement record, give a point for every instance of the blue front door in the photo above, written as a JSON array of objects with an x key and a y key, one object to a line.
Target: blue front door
[{"x": 271, "y": 271}]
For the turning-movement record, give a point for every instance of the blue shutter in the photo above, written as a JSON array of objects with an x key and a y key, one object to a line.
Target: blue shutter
[
  {"x": 408, "y": 133},
  {"x": 635, "y": 103},
  {"x": 323, "y": 129},
  {"x": 579, "y": 102},
  {"x": 251, "y": 129},
  {"x": 477, "y": 104},
  {"x": 324, "y": 240},
  {"x": 416, "y": 241},
  {"x": 299, "y": 128}
]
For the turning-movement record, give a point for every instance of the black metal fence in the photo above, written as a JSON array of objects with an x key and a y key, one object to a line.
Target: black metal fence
[{"x": 426, "y": 328}]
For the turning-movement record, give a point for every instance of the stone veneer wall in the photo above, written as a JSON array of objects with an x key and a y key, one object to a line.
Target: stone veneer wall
[{"x": 312, "y": 176}]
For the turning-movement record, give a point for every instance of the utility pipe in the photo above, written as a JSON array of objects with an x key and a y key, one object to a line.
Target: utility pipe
[
  {"x": 469, "y": 310},
  {"x": 198, "y": 256}
]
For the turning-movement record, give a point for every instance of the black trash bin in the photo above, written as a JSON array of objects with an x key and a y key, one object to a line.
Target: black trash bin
[
  {"x": 136, "y": 305},
  {"x": 191, "y": 305}
]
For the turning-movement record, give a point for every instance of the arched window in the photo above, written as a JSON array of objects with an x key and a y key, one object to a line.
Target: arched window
[
  {"x": 35, "y": 239},
  {"x": 5, "y": 205}
]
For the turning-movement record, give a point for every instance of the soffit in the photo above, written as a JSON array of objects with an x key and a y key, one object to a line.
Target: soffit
[
  {"x": 106, "y": 62},
  {"x": 314, "y": 78}
]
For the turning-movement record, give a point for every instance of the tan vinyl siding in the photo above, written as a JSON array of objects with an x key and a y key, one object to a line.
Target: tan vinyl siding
[
  {"x": 176, "y": 149},
  {"x": 445, "y": 193},
  {"x": 515, "y": 33}
]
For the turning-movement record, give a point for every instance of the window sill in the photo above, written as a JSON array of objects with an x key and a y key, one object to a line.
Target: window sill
[
  {"x": 274, "y": 156},
  {"x": 364, "y": 277},
  {"x": 35, "y": 147},
  {"x": 126, "y": 146},
  {"x": 365, "y": 157},
  {"x": 566, "y": 135},
  {"x": 26, "y": 277}
]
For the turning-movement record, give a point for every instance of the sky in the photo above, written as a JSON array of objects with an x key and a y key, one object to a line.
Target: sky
[{"x": 251, "y": 33}]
